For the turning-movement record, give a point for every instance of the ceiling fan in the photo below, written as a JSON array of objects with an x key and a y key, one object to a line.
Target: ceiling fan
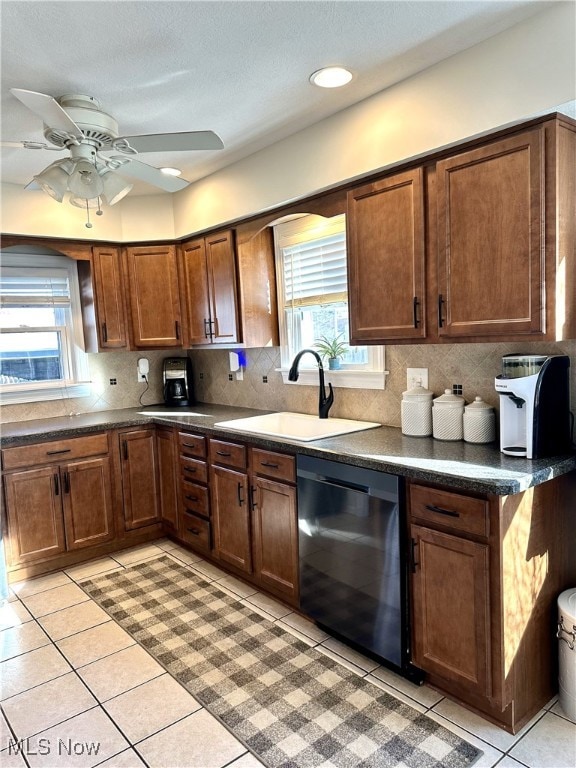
[{"x": 76, "y": 123}]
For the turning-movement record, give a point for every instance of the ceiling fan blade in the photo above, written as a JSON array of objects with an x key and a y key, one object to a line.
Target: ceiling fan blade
[
  {"x": 33, "y": 185},
  {"x": 139, "y": 170},
  {"x": 175, "y": 142},
  {"x": 49, "y": 110},
  {"x": 30, "y": 145}
]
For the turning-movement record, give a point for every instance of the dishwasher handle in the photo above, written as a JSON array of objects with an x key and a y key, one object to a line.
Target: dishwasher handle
[{"x": 342, "y": 484}]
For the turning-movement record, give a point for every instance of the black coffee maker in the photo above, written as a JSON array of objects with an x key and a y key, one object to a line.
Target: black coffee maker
[{"x": 177, "y": 378}]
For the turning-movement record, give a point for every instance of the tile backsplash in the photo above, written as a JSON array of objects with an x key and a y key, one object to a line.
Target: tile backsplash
[{"x": 473, "y": 366}]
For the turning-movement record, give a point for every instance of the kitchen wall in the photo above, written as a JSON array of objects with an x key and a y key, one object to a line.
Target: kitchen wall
[{"x": 474, "y": 366}]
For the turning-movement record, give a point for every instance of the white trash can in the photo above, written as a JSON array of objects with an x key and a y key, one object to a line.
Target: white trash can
[{"x": 567, "y": 652}]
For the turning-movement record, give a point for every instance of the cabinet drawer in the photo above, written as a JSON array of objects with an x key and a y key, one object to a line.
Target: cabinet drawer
[
  {"x": 195, "y": 500},
  {"x": 229, "y": 454},
  {"x": 55, "y": 450},
  {"x": 193, "y": 470},
  {"x": 192, "y": 445},
  {"x": 450, "y": 510},
  {"x": 195, "y": 531},
  {"x": 270, "y": 464}
]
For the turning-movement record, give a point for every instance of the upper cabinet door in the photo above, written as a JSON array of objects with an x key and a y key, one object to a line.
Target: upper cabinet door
[
  {"x": 154, "y": 297},
  {"x": 386, "y": 252},
  {"x": 491, "y": 239},
  {"x": 110, "y": 307},
  {"x": 195, "y": 294},
  {"x": 222, "y": 281}
]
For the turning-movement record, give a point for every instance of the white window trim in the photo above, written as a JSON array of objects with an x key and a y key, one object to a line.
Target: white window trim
[
  {"x": 77, "y": 386},
  {"x": 372, "y": 378}
]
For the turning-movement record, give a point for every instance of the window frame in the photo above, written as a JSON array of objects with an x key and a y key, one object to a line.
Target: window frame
[
  {"x": 73, "y": 355},
  {"x": 287, "y": 232}
]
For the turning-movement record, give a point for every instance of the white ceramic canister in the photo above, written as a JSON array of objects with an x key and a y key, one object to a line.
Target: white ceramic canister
[
  {"x": 416, "y": 410},
  {"x": 479, "y": 422},
  {"x": 448, "y": 416}
]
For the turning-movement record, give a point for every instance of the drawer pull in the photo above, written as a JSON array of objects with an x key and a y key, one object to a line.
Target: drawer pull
[
  {"x": 441, "y": 511},
  {"x": 190, "y": 469},
  {"x": 191, "y": 498},
  {"x": 188, "y": 445},
  {"x": 194, "y": 531},
  {"x": 55, "y": 453},
  {"x": 223, "y": 453},
  {"x": 269, "y": 464}
]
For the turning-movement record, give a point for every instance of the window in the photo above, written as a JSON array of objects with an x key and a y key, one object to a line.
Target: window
[
  {"x": 313, "y": 299},
  {"x": 41, "y": 339}
]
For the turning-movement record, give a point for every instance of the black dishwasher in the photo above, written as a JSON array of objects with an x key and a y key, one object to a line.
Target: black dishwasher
[{"x": 352, "y": 565}]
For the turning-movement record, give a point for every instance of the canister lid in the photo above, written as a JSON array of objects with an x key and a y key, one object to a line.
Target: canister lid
[
  {"x": 478, "y": 405},
  {"x": 418, "y": 393},
  {"x": 567, "y": 603},
  {"x": 449, "y": 400}
]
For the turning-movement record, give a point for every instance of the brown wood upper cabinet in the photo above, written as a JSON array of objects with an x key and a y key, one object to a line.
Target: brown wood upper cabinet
[
  {"x": 109, "y": 298},
  {"x": 386, "y": 252},
  {"x": 475, "y": 246},
  {"x": 154, "y": 296},
  {"x": 491, "y": 239},
  {"x": 208, "y": 271}
]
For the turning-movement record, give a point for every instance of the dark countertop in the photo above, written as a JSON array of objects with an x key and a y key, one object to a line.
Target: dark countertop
[{"x": 461, "y": 465}]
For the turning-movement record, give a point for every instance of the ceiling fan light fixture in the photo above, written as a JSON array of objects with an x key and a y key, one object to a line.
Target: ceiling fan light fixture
[
  {"x": 82, "y": 202},
  {"x": 331, "y": 77},
  {"x": 115, "y": 188},
  {"x": 85, "y": 180},
  {"x": 53, "y": 180},
  {"x": 171, "y": 171}
]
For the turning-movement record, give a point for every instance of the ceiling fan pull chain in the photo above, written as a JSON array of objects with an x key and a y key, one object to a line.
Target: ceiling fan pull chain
[{"x": 88, "y": 224}]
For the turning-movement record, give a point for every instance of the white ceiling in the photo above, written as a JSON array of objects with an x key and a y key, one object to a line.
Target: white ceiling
[{"x": 238, "y": 68}]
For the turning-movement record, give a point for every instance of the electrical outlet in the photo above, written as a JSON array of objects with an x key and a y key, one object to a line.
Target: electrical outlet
[
  {"x": 417, "y": 377},
  {"x": 143, "y": 370},
  {"x": 142, "y": 378}
]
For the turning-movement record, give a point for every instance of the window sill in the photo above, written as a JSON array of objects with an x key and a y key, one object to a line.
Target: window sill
[
  {"x": 15, "y": 397},
  {"x": 340, "y": 378}
]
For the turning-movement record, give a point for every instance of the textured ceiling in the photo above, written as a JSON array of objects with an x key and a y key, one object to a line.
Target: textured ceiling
[{"x": 238, "y": 68}]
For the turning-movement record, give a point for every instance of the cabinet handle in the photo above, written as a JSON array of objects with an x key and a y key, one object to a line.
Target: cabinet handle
[
  {"x": 213, "y": 327},
  {"x": 415, "y": 305},
  {"x": 104, "y": 333},
  {"x": 191, "y": 498},
  {"x": 190, "y": 469},
  {"x": 441, "y": 511},
  {"x": 55, "y": 453},
  {"x": 66, "y": 482},
  {"x": 252, "y": 492},
  {"x": 177, "y": 329},
  {"x": 269, "y": 464},
  {"x": 223, "y": 453},
  {"x": 188, "y": 445},
  {"x": 206, "y": 328},
  {"x": 56, "y": 485},
  {"x": 441, "y": 303},
  {"x": 125, "y": 449},
  {"x": 241, "y": 498},
  {"x": 194, "y": 531},
  {"x": 413, "y": 562}
]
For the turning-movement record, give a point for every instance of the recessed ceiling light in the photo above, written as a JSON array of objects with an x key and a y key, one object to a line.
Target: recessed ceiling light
[
  {"x": 331, "y": 77},
  {"x": 171, "y": 171}
]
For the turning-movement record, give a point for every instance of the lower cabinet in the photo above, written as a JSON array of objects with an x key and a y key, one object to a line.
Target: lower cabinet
[
  {"x": 59, "y": 507},
  {"x": 139, "y": 463},
  {"x": 167, "y": 477},
  {"x": 486, "y": 572}
]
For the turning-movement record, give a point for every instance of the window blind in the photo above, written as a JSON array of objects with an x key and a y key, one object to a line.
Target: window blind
[
  {"x": 34, "y": 288},
  {"x": 315, "y": 271}
]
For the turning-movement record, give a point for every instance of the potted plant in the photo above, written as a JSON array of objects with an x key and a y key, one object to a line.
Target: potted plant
[{"x": 332, "y": 349}]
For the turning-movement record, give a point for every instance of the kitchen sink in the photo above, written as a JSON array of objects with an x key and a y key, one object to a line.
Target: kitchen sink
[{"x": 296, "y": 426}]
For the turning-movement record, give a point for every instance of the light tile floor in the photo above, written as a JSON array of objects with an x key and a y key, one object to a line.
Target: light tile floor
[{"x": 76, "y": 690}]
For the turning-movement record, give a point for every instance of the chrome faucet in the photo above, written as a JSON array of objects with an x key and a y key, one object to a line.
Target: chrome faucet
[{"x": 324, "y": 402}]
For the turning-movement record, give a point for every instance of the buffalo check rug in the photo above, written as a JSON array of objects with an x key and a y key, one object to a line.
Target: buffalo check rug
[{"x": 291, "y": 705}]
